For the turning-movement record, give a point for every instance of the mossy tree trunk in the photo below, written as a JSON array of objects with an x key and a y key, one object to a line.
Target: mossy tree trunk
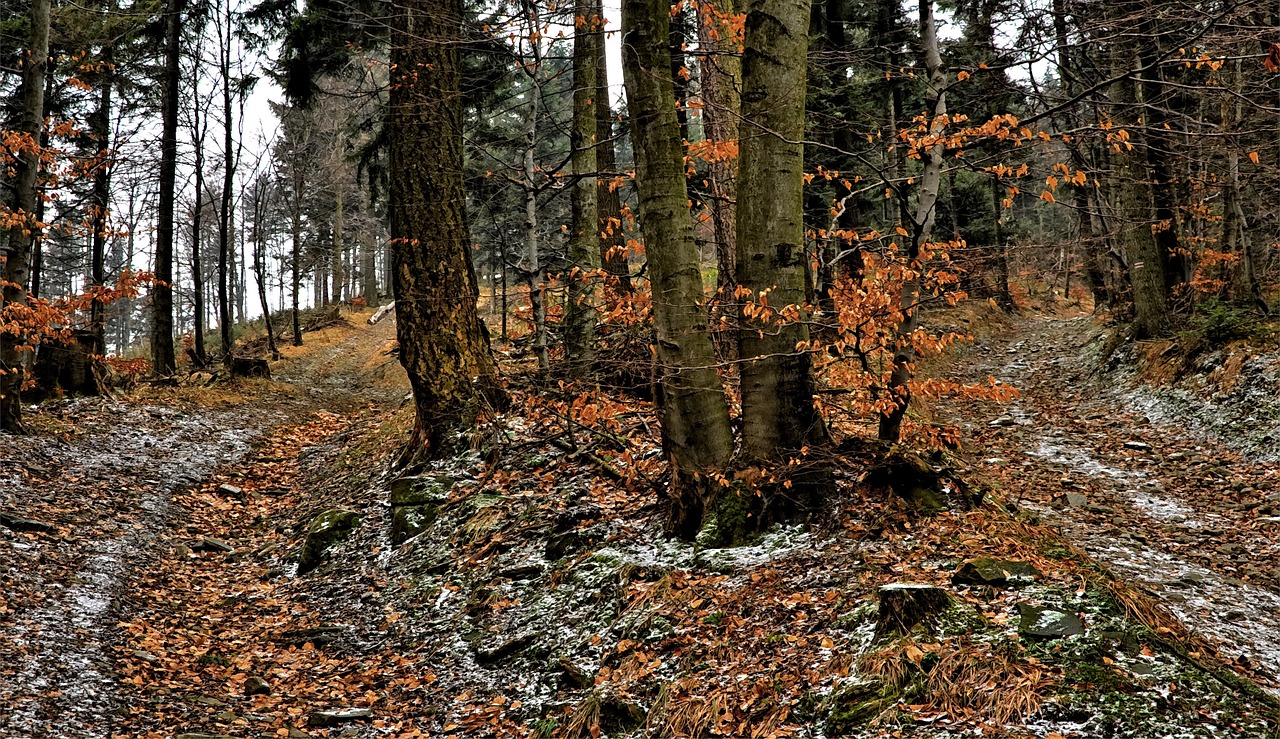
[
  {"x": 584, "y": 239},
  {"x": 443, "y": 345},
  {"x": 899, "y": 387},
  {"x": 778, "y": 414},
  {"x": 695, "y": 416},
  {"x": 25, "y": 168}
]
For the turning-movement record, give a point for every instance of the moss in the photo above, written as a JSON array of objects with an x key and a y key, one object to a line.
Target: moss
[
  {"x": 326, "y": 530},
  {"x": 728, "y": 522},
  {"x": 855, "y": 705}
]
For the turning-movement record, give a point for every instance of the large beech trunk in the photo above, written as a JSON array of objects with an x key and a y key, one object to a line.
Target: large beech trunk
[
  {"x": 695, "y": 416},
  {"x": 778, "y": 414},
  {"x": 443, "y": 345}
]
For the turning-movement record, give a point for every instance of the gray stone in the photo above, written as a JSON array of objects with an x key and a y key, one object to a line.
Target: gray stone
[
  {"x": 18, "y": 523},
  {"x": 329, "y": 528},
  {"x": 995, "y": 572},
  {"x": 1141, "y": 446},
  {"x": 210, "y": 544},
  {"x": 255, "y": 685},
  {"x": 341, "y": 716},
  {"x": 226, "y": 489},
  {"x": 1045, "y": 623}
]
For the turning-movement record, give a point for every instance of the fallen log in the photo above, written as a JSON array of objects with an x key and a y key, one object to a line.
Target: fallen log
[{"x": 382, "y": 312}]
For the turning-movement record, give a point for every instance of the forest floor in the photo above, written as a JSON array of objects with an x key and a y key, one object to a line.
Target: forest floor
[
  {"x": 155, "y": 580},
  {"x": 1173, "y": 506}
]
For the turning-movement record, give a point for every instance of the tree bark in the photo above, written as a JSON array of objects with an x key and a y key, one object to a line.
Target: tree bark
[
  {"x": 899, "y": 388},
  {"x": 1142, "y": 250},
  {"x": 778, "y": 414},
  {"x": 695, "y": 417},
  {"x": 720, "y": 75},
  {"x": 443, "y": 345},
  {"x": 584, "y": 239},
  {"x": 100, "y": 200},
  {"x": 26, "y": 168},
  {"x": 609, "y": 203},
  {"x": 162, "y": 355}
]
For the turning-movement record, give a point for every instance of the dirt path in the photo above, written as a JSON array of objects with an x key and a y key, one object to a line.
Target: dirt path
[
  {"x": 1174, "y": 511},
  {"x": 100, "y": 474}
]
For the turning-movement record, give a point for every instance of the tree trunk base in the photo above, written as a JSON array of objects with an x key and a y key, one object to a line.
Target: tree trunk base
[{"x": 903, "y": 606}]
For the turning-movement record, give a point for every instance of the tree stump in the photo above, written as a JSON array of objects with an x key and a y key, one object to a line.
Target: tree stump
[
  {"x": 250, "y": 367},
  {"x": 903, "y": 606},
  {"x": 65, "y": 368}
]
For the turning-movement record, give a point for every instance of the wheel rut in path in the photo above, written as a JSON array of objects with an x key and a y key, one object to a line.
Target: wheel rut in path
[{"x": 1177, "y": 514}]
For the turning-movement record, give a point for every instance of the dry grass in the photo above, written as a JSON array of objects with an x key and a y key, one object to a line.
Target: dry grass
[{"x": 963, "y": 679}]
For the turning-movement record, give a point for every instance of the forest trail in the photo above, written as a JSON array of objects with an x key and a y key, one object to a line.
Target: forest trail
[
  {"x": 1174, "y": 511},
  {"x": 102, "y": 474}
]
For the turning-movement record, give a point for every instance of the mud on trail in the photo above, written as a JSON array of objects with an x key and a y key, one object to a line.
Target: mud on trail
[
  {"x": 1141, "y": 479},
  {"x": 87, "y": 498}
]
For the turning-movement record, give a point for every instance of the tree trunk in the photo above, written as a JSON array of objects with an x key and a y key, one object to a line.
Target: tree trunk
[
  {"x": 584, "y": 239},
  {"x": 26, "y": 168},
  {"x": 443, "y": 345},
  {"x": 899, "y": 389},
  {"x": 197, "y": 240},
  {"x": 720, "y": 75},
  {"x": 296, "y": 254},
  {"x": 100, "y": 201},
  {"x": 613, "y": 241},
  {"x": 338, "y": 247},
  {"x": 162, "y": 356},
  {"x": 695, "y": 417},
  {"x": 1141, "y": 248},
  {"x": 778, "y": 415},
  {"x": 226, "y": 321}
]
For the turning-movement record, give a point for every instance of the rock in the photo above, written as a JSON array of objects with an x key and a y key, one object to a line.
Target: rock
[
  {"x": 997, "y": 573},
  {"x": 1072, "y": 500},
  {"x": 1177, "y": 456},
  {"x": 226, "y": 717},
  {"x": 903, "y": 606},
  {"x": 329, "y": 528},
  {"x": 1046, "y": 623},
  {"x": 1003, "y": 421},
  {"x": 205, "y": 700},
  {"x": 502, "y": 650},
  {"x": 146, "y": 657},
  {"x": 416, "y": 490},
  {"x": 203, "y": 736},
  {"x": 341, "y": 716},
  {"x": 228, "y": 489},
  {"x": 255, "y": 685},
  {"x": 18, "y": 523},
  {"x": 410, "y": 520},
  {"x": 522, "y": 571},
  {"x": 573, "y": 676},
  {"x": 1141, "y": 446},
  {"x": 210, "y": 544}
]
